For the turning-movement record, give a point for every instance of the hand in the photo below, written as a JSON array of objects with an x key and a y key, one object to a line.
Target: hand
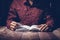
[
  {"x": 43, "y": 27},
  {"x": 13, "y": 25}
]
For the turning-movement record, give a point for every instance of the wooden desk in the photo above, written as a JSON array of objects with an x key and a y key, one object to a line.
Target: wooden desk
[{"x": 6, "y": 34}]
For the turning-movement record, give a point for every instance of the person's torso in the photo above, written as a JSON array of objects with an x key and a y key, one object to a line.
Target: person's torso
[{"x": 28, "y": 15}]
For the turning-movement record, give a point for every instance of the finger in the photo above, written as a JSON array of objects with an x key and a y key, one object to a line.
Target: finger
[
  {"x": 41, "y": 26},
  {"x": 12, "y": 29},
  {"x": 12, "y": 26},
  {"x": 13, "y": 23},
  {"x": 44, "y": 27}
]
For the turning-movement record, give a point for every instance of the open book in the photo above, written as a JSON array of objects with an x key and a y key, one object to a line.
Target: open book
[
  {"x": 30, "y": 28},
  {"x": 26, "y": 27}
]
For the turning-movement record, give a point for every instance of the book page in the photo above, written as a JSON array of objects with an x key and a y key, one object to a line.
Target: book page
[
  {"x": 35, "y": 27},
  {"x": 25, "y": 26}
]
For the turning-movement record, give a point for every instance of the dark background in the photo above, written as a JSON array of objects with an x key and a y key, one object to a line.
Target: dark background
[{"x": 4, "y": 7}]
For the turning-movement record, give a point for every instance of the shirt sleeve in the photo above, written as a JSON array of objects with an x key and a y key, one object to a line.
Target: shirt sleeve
[
  {"x": 12, "y": 15},
  {"x": 49, "y": 19}
]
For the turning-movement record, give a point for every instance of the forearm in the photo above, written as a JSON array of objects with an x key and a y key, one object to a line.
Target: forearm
[
  {"x": 11, "y": 14},
  {"x": 49, "y": 21}
]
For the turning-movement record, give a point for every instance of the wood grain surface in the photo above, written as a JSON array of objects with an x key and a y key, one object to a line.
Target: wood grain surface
[{"x": 6, "y": 34}]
